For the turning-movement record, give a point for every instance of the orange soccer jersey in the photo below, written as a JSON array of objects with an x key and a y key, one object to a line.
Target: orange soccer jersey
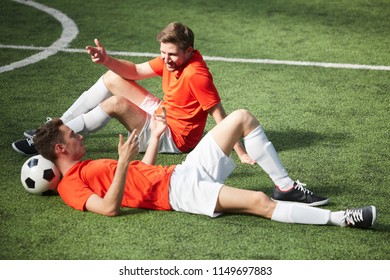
[
  {"x": 147, "y": 186},
  {"x": 188, "y": 94}
]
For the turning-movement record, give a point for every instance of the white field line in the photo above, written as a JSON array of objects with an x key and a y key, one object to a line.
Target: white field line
[
  {"x": 214, "y": 58},
  {"x": 69, "y": 32}
]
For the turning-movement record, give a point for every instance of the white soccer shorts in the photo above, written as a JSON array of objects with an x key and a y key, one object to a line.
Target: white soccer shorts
[{"x": 196, "y": 183}]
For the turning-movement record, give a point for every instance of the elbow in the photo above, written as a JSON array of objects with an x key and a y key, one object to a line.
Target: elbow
[
  {"x": 101, "y": 206},
  {"x": 112, "y": 213},
  {"x": 109, "y": 211}
]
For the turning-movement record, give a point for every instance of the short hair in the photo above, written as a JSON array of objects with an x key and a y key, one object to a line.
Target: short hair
[
  {"x": 178, "y": 34},
  {"x": 46, "y": 138}
]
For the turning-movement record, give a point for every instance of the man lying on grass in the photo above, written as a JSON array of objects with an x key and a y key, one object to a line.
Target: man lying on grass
[{"x": 195, "y": 186}]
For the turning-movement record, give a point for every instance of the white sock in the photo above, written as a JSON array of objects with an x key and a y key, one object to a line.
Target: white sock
[
  {"x": 87, "y": 101},
  {"x": 337, "y": 219},
  {"x": 261, "y": 150},
  {"x": 294, "y": 213},
  {"x": 89, "y": 122}
]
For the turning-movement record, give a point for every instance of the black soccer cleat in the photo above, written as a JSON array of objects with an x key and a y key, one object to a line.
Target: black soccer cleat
[
  {"x": 25, "y": 147},
  {"x": 29, "y": 133},
  {"x": 299, "y": 194},
  {"x": 363, "y": 217}
]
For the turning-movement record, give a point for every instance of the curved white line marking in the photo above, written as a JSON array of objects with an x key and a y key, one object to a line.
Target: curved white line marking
[{"x": 69, "y": 33}]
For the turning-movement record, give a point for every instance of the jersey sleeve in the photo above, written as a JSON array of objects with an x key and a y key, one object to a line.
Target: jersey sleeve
[
  {"x": 204, "y": 90},
  {"x": 75, "y": 196},
  {"x": 157, "y": 65}
]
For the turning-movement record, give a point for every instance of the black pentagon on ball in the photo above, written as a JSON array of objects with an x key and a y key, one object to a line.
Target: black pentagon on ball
[
  {"x": 48, "y": 175},
  {"x": 33, "y": 162},
  {"x": 30, "y": 183}
]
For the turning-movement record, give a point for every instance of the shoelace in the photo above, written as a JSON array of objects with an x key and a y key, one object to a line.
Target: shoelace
[
  {"x": 48, "y": 119},
  {"x": 30, "y": 141},
  {"x": 301, "y": 187},
  {"x": 353, "y": 216}
]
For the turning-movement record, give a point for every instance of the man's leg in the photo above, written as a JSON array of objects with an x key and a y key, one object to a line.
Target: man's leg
[
  {"x": 77, "y": 117},
  {"x": 129, "y": 114},
  {"x": 131, "y": 90},
  {"x": 109, "y": 84},
  {"x": 96, "y": 94},
  {"x": 232, "y": 200},
  {"x": 241, "y": 201},
  {"x": 241, "y": 123},
  {"x": 236, "y": 125}
]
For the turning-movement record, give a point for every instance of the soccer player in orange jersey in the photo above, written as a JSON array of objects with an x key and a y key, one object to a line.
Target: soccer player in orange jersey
[{"x": 195, "y": 186}]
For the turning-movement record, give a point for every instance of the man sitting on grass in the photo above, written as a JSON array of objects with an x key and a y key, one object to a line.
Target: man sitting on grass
[{"x": 195, "y": 186}]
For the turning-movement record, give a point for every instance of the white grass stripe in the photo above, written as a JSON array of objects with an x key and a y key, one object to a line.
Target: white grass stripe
[
  {"x": 69, "y": 33},
  {"x": 216, "y": 58}
]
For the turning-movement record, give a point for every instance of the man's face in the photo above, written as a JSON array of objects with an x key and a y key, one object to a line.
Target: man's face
[
  {"x": 73, "y": 143},
  {"x": 174, "y": 57}
]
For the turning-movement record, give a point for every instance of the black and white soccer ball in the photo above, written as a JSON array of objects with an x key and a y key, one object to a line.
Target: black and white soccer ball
[{"x": 38, "y": 175}]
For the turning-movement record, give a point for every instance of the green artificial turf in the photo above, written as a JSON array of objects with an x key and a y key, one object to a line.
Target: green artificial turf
[{"x": 330, "y": 126}]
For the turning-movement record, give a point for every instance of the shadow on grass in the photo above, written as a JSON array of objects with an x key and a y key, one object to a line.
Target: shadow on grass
[
  {"x": 379, "y": 227},
  {"x": 290, "y": 139},
  {"x": 133, "y": 211},
  {"x": 298, "y": 139}
]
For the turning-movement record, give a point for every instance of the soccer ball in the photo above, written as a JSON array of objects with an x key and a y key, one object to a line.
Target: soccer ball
[{"x": 38, "y": 175}]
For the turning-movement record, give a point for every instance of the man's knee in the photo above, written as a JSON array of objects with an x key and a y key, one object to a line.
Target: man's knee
[
  {"x": 110, "y": 79},
  {"x": 263, "y": 204},
  {"x": 245, "y": 118},
  {"x": 116, "y": 105}
]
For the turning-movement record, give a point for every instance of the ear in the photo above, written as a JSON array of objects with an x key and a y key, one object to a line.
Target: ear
[
  {"x": 59, "y": 148},
  {"x": 189, "y": 50}
]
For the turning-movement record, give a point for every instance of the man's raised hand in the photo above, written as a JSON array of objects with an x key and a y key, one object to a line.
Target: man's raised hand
[
  {"x": 159, "y": 122},
  {"x": 98, "y": 54},
  {"x": 128, "y": 150}
]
